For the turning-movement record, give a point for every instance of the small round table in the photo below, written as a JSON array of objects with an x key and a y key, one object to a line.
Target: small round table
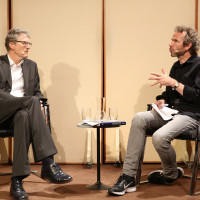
[{"x": 99, "y": 185}]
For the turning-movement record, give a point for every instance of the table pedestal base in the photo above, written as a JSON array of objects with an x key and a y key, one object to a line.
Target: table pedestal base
[{"x": 98, "y": 186}]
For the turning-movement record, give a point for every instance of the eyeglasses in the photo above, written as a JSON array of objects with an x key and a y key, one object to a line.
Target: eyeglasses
[{"x": 25, "y": 43}]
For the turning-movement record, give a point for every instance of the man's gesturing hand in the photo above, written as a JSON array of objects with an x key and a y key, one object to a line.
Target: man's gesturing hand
[{"x": 162, "y": 79}]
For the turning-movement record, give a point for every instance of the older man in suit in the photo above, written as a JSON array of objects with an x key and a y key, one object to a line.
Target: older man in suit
[{"x": 20, "y": 109}]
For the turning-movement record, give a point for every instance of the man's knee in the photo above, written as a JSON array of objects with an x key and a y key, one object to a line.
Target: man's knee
[
  {"x": 139, "y": 119},
  {"x": 32, "y": 101},
  {"x": 158, "y": 141},
  {"x": 21, "y": 115}
]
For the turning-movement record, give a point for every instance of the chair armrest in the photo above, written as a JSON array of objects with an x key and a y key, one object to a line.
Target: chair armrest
[
  {"x": 43, "y": 99},
  {"x": 149, "y": 107}
]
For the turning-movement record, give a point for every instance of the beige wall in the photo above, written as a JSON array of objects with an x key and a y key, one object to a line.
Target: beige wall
[
  {"x": 198, "y": 15},
  {"x": 66, "y": 36},
  {"x": 137, "y": 38},
  {"x": 67, "y": 45},
  {"x": 3, "y": 31},
  {"x": 3, "y": 25}
]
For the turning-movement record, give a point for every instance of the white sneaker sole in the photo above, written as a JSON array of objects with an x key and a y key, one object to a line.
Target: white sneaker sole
[
  {"x": 130, "y": 189},
  {"x": 162, "y": 171},
  {"x": 181, "y": 169},
  {"x": 155, "y": 171}
]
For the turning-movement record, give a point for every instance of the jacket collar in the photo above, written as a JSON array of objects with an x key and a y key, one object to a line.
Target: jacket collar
[
  {"x": 7, "y": 71},
  {"x": 6, "y": 68}
]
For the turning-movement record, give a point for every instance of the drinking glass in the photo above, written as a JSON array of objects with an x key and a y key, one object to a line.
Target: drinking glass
[
  {"x": 113, "y": 114},
  {"x": 100, "y": 114},
  {"x": 86, "y": 115}
]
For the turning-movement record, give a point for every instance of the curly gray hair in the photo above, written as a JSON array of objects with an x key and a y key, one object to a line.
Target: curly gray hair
[
  {"x": 13, "y": 35},
  {"x": 190, "y": 37}
]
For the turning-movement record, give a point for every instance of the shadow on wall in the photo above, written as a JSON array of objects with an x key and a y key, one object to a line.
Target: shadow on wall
[
  {"x": 147, "y": 96},
  {"x": 64, "y": 114}
]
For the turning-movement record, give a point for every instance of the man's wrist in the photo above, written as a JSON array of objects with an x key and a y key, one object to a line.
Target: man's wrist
[{"x": 176, "y": 85}]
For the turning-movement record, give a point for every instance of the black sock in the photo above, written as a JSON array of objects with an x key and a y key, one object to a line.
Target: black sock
[{"x": 48, "y": 160}]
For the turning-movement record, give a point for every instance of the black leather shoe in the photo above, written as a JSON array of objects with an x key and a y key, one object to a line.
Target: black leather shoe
[
  {"x": 54, "y": 174},
  {"x": 17, "y": 190}
]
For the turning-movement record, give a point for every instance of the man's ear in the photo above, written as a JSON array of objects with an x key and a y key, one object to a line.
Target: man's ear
[
  {"x": 11, "y": 45},
  {"x": 189, "y": 46}
]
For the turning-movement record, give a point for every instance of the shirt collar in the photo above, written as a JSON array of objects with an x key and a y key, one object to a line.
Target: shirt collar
[
  {"x": 12, "y": 63},
  {"x": 191, "y": 59}
]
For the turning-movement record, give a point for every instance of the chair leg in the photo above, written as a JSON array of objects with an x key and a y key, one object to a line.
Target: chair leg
[
  {"x": 10, "y": 141},
  {"x": 34, "y": 172},
  {"x": 5, "y": 174},
  {"x": 139, "y": 171},
  {"x": 194, "y": 170}
]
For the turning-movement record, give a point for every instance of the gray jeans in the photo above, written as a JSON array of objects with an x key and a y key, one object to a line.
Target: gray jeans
[{"x": 161, "y": 139}]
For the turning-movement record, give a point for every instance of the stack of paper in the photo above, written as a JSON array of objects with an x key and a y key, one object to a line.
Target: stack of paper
[{"x": 166, "y": 113}]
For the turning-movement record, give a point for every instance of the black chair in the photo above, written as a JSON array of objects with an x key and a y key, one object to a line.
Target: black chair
[
  {"x": 193, "y": 135},
  {"x": 8, "y": 133}
]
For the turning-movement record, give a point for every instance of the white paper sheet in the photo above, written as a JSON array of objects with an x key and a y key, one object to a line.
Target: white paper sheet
[{"x": 165, "y": 112}]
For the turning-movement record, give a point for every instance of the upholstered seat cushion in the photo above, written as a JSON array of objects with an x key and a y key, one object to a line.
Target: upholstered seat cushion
[{"x": 6, "y": 133}]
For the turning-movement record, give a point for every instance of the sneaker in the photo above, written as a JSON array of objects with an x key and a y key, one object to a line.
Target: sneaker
[
  {"x": 124, "y": 184},
  {"x": 157, "y": 177}
]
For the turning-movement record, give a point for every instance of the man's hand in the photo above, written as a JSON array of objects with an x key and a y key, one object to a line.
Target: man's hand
[
  {"x": 162, "y": 79},
  {"x": 160, "y": 103}
]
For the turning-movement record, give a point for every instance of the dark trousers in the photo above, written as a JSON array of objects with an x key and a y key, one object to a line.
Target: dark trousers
[{"x": 24, "y": 115}]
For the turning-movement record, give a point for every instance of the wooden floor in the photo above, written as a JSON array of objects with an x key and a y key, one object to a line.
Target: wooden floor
[{"x": 38, "y": 189}]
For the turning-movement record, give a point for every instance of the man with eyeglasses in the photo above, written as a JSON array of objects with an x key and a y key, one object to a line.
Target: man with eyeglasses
[{"x": 20, "y": 109}]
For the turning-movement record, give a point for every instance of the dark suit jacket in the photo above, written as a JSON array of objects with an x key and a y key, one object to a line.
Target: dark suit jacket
[
  {"x": 9, "y": 103},
  {"x": 30, "y": 74}
]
